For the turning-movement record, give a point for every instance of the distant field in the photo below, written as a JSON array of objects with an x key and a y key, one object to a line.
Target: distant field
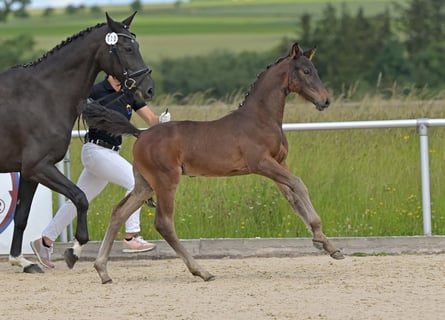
[{"x": 192, "y": 28}]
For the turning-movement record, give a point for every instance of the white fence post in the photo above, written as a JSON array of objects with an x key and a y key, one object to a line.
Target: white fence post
[{"x": 425, "y": 175}]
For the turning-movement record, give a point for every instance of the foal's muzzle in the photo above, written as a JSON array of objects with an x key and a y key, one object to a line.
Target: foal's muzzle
[{"x": 323, "y": 105}]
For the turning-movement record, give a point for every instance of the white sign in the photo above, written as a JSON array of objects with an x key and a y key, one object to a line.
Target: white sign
[{"x": 39, "y": 216}]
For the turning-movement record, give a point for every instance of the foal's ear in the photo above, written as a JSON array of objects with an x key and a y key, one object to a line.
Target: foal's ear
[
  {"x": 310, "y": 53},
  {"x": 296, "y": 51}
]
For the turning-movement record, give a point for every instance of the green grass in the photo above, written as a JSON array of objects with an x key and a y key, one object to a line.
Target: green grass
[
  {"x": 198, "y": 27},
  {"x": 361, "y": 182}
]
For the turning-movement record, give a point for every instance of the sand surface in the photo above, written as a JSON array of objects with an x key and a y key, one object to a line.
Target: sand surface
[{"x": 309, "y": 287}]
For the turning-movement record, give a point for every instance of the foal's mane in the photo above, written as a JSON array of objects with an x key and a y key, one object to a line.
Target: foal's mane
[
  {"x": 60, "y": 46},
  {"x": 258, "y": 77}
]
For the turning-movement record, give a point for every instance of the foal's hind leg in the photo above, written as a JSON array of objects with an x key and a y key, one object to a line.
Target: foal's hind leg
[
  {"x": 300, "y": 202},
  {"x": 134, "y": 200}
]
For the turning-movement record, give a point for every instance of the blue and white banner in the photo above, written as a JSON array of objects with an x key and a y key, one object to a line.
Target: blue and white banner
[{"x": 39, "y": 217}]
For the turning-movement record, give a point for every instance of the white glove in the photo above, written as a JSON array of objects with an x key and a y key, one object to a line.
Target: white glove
[{"x": 165, "y": 116}]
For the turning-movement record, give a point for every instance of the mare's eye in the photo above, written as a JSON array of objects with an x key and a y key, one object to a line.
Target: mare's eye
[{"x": 128, "y": 49}]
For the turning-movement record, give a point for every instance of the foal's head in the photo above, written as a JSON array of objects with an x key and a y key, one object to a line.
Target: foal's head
[{"x": 304, "y": 80}]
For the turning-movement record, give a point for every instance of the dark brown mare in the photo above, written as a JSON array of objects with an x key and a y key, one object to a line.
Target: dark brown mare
[
  {"x": 39, "y": 104},
  {"x": 248, "y": 140}
]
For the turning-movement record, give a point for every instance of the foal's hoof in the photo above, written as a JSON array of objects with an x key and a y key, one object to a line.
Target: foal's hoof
[
  {"x": 211, "y": 277},
  {"x": 70, "y": 257},
  {"x": 337, "y": 255},
  {"x": 33, "y": 268}
]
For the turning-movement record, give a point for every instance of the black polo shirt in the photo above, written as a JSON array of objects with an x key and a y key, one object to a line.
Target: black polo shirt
[{"x": 124, "y": 103}]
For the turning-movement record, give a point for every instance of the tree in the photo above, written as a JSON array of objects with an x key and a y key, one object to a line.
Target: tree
[
  {"x": 71, "y": 9},
  {"x": 96, "y": 10},
  {"x": 17, "y": 50},
  {"x": 136, "y": 5},
  {"x": 423, "y": 22},
  {"x": 10, "y": 6},
  {"x": 48, "y": 12}
]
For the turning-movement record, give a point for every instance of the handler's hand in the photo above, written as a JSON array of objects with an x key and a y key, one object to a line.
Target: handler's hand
[{"x": 165, "y": 116}]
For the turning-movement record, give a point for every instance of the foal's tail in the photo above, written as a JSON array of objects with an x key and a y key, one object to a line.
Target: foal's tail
[{"x": 105, "y": 119}]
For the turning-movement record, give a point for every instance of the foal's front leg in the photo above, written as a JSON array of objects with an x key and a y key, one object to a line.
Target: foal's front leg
[
  {"x": 134, "y": 200},
  {"x": 118, "y": 217}
]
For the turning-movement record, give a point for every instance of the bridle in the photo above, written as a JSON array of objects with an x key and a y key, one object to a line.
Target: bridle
[{"x": 129, "y": 82}]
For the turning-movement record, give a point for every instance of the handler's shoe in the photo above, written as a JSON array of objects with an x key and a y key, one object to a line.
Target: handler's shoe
[
  {"x": 137, "y": 244},
  {"x": 43, "y": 253}
]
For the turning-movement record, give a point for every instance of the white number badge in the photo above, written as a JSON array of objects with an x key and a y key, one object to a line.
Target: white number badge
[{"x": 111, "y": 38}]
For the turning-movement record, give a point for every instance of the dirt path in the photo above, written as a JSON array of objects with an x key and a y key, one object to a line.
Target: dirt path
[{"x": 313, "y": 287}]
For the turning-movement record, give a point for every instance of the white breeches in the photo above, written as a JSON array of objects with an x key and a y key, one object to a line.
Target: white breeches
[{"x": 101, "y": 166}]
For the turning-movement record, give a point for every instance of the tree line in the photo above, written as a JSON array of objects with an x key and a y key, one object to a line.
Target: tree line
[
  {"x": 396, "y": 52},
  {"x": 401, "y": 49}
]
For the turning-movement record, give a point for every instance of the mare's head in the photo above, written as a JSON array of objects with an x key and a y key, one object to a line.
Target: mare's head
[
  {"x": 304, "y": 79},
  {"x": 126, "y": 64}
]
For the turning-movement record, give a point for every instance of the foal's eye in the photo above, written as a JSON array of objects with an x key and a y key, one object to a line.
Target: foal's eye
[{"x": 306, "y": 71}]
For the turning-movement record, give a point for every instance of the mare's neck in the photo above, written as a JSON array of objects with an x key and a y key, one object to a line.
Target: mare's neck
[{"x": 72, "y": 68}]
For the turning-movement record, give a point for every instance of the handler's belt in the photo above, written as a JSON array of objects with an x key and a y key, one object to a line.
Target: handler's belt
[{"x": 104, "y": 144}]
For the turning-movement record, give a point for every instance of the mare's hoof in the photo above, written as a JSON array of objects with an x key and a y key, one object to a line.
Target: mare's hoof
[
  {"x": 337, "y": 255},
  {"x": 33, "y": 268},
  {"x": 108, "y": 281},
  {"x": 70, "y": 257}
]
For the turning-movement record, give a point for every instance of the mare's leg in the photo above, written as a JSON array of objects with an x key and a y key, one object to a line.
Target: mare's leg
[
  {"x": 27, "y": 190},
  {"x": 164, "y": 224},
  {"x": 134, "y": 200},
  {"x": 297, "y": 195},
  {"x": 52, "y": 178}
]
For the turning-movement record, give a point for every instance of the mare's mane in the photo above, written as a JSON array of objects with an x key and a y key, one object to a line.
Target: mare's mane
[
  {"x": 60, "y": 46},
  {"x": 258, "y": 77}
]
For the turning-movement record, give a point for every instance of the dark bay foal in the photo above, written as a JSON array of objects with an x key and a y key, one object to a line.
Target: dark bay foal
[{"x": 249, "y": 140}]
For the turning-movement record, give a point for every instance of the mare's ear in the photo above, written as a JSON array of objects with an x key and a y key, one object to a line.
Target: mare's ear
[
  {"x": 296, "y": 51},
  {"x": 113, "y": 25},
  {"x": 310, "y": 53},
  {"x": 116, "y": 26},
  {"x": 127, "y": 22}
]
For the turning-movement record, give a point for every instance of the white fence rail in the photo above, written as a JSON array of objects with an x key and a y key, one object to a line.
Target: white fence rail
[{"x": 421, "y": 124}]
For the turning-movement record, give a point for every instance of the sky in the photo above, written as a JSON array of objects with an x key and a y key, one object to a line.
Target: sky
[{"x": 64, "y": 3}]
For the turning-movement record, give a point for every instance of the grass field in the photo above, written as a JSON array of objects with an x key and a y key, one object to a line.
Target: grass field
[
  {"x": 198, "y": 27},
  {"x": 361, "y": 182}
]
